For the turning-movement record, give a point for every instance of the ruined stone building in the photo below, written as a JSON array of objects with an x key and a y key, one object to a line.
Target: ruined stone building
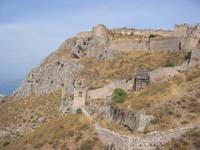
[
  {"x": 79, "y": 98},
  {"x": 142, "y": 79}
]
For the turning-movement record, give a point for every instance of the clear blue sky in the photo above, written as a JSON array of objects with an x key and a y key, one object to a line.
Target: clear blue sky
[{"x": 31, "y": 29}]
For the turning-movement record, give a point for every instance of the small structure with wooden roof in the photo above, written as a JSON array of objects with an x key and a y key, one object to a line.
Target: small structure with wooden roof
[{"x": 142, "y": 79}]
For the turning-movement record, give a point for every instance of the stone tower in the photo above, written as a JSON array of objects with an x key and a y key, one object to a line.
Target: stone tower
[
  {"x": 100, "y": 30},
  {"x": 80, "y": 96}
]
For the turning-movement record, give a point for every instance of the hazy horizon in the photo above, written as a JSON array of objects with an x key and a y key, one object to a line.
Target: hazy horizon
[{"x": 30, "y": 30}]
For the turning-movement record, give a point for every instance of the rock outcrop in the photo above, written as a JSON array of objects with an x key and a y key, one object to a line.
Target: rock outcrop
[{"x": 59, "y": 69}]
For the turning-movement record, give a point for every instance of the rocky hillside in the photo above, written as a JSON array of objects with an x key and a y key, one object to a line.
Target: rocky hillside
[
  {"x": 59, "y": 69},
  {"x": 82, "y": 96}
]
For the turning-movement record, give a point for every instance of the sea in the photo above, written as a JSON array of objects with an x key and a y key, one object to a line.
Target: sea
[{"x": 8, "y": 86}]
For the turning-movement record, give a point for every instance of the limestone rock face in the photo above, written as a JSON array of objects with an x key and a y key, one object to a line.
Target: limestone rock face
[
  {"x": 58, "y": 71},
  {"x": 100, "y": 31},
  {"x": 95, "y": 47}
]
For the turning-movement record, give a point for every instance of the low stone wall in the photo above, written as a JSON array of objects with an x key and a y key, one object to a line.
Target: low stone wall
[
  {"x": 112, "y": 139},
  {"x": 148, "y": 141},
  {"x": 107, "y": 90}
]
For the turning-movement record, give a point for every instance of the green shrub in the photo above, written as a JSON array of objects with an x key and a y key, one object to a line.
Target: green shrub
[
  {"x": 169, "y": 64},
  {"x": 94, "y": 87},
  {"x": 130, "y": 78},
  {"x": 119, "y": 95},
  {"x": 188, "y": 55},
  {"x": 154, "y": 121},
  {"x": 6, "y": 143},
  {"x": 79, "y": 111},
  {"x": 151, "y": 36}
]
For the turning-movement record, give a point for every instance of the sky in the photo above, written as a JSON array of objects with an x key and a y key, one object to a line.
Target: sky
[{"x": 32, "y": 29}]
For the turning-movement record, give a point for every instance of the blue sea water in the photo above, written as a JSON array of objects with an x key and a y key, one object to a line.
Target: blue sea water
[{"x": 8, "y": 86}]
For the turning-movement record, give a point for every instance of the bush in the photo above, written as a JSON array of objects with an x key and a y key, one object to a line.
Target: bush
[
  {"x": 6, "y": 143},
  {"x": 79, "y": 111},
  {"x": 188, "y": 55},
  {"x": 152, "y": 36},
  {"x": 169, "y": 64},
  {"x": 154, "y": 121},
  {"x": 130, "y": 78},
  {"x": 119, "y": 95}
]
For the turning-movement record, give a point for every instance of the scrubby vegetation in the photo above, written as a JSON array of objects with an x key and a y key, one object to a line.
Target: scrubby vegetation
[
  {"x": 98, "y": 73},
  {"x": 70, "y": 132},
  {"x": 79, "y": 111},
  {"x": 169, "y": 64},
  {"x": 19, "y": 117},
  {"x": 119, "y": 95},
  {"x": 188, "y": 141},
  {"x": 174, "y": 103},
  {"x": 188, "y": 55},
  {"x": 151, "y": 36}
]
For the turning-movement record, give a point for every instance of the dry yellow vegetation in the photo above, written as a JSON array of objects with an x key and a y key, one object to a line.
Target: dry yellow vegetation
[
  {"x": 188, "y": 141},
  {"x": 97, "y": 73},
  {"x": 19, "y": 117},
  {"x": 66, "y": 133},
  {"x": 174, "y": 103}
]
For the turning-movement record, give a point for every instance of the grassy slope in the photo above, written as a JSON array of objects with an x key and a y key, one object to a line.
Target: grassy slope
[
  {"x": 19, "y": 117},
  {"x": 188, "y": 141},
  {"x": 24, "y": 114},
  {"x": 66, "y": 133},
  {"x": 124, "y": 66},
  {"x": 174, "y": 103}
]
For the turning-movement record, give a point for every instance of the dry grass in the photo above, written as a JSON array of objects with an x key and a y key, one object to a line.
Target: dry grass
[
  {"x": 62, "y": 54},
  {"x": 70, "y": 132},
  {"x": 188, "y": 141},
  {"x": 98, "y": 73},
  {"x": 18, "y": 117},
  {"x": 174, "y": 103},
  {"x": 115, "y": 127}
]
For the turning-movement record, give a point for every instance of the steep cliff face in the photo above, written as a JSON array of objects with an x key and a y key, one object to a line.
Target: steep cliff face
[{"x": 59, "y": 69}]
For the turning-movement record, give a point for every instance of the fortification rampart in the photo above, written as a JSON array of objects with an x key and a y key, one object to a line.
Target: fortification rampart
[
  {"x": 148, "y": 141},
  {"x": 107, "y": 90},
  {"x": 139, "y": 32}
]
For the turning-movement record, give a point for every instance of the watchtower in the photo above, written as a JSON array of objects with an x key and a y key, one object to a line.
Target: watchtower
[
  {"x": 79, "y": 98},
  {"x": 142, "y": 79}
]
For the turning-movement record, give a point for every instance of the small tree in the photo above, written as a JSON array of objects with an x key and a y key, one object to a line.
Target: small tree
[
  {"x": 119, "y": 95},
  {"x": 79, "y": 111},
  {"x": 188, "y": 55},
  {"x": 151, "y": 36}
]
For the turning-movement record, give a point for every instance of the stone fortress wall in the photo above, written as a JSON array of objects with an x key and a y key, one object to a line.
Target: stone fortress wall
[
  {"x": 183, "y": 37},
  {"x": 82, "y": 95},
  {"x": 148, "y": 141}
]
